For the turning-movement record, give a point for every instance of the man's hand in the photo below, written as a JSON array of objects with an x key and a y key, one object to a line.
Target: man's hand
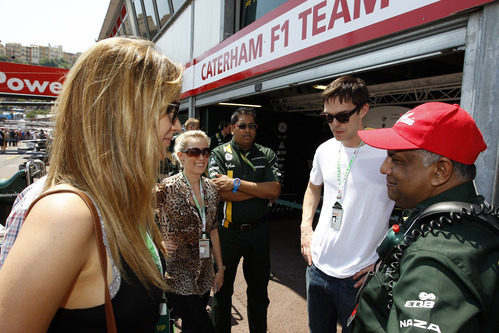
[
  {"x": 169, "y": 247},
  {"x": 306, "y": 241},
  {"x": 223, "y": 182},
  {"x": 219, "y": 281},
  {"x": 363, "y": 275}
]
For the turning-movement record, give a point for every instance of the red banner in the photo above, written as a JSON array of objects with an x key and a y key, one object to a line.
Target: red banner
[{"x": 29, "y": 80}]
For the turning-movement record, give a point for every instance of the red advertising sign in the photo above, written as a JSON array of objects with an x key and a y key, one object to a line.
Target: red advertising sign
[
  {"x": 30, "y": 81},
  {"x": 300, "y": 30}
]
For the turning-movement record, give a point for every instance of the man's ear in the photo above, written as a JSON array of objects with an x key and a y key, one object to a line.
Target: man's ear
[
  {"x": 363, "y": 110},
  {"x": 443, "y": 170}
]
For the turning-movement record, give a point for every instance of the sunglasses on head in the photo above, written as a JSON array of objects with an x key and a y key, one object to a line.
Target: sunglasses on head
[
  {"x": 196, "y": 152},
  {"x": 243, "y": 126},
  {"x": 342, "y": 117},
  {"x": 172, "y": 109}
]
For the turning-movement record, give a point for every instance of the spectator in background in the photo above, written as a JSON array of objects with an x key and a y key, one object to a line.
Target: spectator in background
[
  {"x": 192, "y": 124},
  {"x": 223, "y": 134},
  {"x": 2, "y": 140},
  {"x": 12, "y": 138}
]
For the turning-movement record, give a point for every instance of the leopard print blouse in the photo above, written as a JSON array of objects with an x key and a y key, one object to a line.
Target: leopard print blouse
[{"x": 186, "y": 273}]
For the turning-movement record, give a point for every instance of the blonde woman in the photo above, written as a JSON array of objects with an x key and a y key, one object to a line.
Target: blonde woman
[
  {"x": 188, "y": 204},
  {"x": 115, "y": 119}
]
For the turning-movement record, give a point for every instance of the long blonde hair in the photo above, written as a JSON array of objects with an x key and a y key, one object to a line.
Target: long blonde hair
[{"x": 106, "y": 141}]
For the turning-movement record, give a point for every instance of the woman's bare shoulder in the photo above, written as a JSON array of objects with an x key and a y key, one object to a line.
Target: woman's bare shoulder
[{"x": 63, "y": 212}]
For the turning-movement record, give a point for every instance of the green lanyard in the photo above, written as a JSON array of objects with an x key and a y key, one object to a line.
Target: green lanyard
[
  {"x": 245, "y": 159},
  {"x": 341, "y": 182},
  {"x": 154, "y": 252},
  {"x": 201, "y": 209}
]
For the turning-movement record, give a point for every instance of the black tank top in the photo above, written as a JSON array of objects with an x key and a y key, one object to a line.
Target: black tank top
[{"x": 135, "y": 309}]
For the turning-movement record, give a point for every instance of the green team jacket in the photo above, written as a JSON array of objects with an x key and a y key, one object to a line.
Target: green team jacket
[
  {"x": 448, "y": 280},
  {"x": 226, "y": 160}
]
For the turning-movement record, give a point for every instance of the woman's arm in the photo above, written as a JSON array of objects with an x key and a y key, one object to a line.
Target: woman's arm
[{"x": 39, "y": 275}]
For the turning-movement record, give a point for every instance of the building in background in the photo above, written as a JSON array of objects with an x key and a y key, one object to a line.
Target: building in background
[
  {"x": 276, "y": 55},
  {"x": 33, "y": 54},
  {"x": 15, "y": 51}
]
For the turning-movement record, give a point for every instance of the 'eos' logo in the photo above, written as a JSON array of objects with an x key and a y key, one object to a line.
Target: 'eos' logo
[
  {"x": 419, "y": 304},
  {"x": 16, "y": 84},
  {"x": 426, "y": 301}
]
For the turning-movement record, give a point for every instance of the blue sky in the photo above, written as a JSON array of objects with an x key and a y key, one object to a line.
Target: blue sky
[{"x": 74, "y": 24}]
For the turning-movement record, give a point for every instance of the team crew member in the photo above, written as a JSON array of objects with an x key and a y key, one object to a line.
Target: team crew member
[
  {"x": 247, "y": 178},
  {"x": 222, "y": 136},
  {"x": 444, "y": 276}
]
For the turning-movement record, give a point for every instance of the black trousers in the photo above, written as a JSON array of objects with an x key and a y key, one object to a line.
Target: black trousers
[
  {"x": 253, "y": 246},
  {"x": 192, "y": 310}
]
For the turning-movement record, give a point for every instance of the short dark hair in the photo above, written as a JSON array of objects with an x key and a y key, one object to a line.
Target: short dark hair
[
  {"x": 223, "y": 124},
  {"x": 347, "y": 88},
  {"x": 466, "y": 171},
  {"x": 239, "y": 112}
]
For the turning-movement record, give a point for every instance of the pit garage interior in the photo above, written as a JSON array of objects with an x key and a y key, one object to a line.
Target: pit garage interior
[{"x": 288, "y": 117}]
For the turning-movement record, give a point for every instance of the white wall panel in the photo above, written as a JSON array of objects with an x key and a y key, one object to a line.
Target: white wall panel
[
  {"x": 207, "y": 25},
  {"x": 175, "y": 42}
]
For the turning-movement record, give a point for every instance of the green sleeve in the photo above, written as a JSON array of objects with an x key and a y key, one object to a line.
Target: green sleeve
[
  {"x": 272, "y": 172},
  {"x": 433, "y": 293},
  {"x": 216, "y": 164}
]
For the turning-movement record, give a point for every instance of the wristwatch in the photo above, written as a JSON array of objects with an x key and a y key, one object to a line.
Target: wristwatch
[{"x": 236, "y": 184}]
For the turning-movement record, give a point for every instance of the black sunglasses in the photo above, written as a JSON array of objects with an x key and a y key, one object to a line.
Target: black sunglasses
[
  {"x": 172, "y": 109},
  {"x": 342, "y": 117},
  {"x": 243, "y": 126},
  {"x": 195, "y": 152}
]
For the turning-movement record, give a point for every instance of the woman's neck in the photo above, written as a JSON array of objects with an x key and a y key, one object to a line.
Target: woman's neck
[{"x": 193, "y": 178}]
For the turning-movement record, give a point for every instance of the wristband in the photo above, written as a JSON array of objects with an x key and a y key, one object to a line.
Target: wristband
[{"x": 236, "y": 184}]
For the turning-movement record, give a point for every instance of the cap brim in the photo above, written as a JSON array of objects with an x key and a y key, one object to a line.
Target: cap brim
[{"x": 385, "y": 138}]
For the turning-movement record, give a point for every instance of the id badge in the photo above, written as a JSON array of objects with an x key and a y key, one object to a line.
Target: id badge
[
  {"x": 204, "y": 248},
  {"x": 337, "y": 216}
]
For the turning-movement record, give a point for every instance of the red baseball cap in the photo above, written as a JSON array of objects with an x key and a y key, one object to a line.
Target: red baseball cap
[{"x": 441, "y": 128}]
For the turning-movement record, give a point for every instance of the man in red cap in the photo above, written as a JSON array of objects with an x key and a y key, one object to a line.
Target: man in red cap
[{"x": 438, "y": 271}]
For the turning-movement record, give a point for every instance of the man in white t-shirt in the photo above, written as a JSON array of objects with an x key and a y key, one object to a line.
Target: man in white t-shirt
[{"x": 355, "y": 210}]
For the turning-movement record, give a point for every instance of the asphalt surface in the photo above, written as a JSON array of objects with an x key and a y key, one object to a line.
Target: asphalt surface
[
  {"x": 287, "y": 311},
  {"x": 9, "y": 162}
]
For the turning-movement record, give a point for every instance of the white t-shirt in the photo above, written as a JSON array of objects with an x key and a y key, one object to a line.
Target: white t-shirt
[{"x": 342, "y": 251}]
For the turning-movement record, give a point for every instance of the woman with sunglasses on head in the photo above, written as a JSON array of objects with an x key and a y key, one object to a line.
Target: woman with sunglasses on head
[
  {"x": 187, "y": 210},
  {"x": 118, "y": 94}
]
